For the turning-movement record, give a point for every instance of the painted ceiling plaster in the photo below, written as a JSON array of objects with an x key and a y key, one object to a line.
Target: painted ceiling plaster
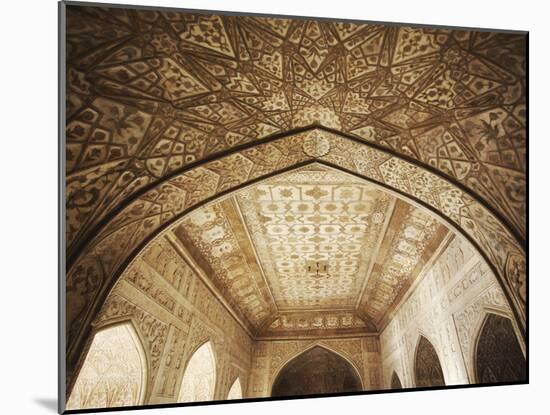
[
  {"x": 265, "y": 245},
  {"x": 149, "y": 92}
]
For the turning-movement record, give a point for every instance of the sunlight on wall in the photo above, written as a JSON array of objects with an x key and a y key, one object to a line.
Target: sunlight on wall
[
  {"x": 113, "y": 372},
  {"x": 235, "y": 392},
  {"x": 200, "y": 376}
]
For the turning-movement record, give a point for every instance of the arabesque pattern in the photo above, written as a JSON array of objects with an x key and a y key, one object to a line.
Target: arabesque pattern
[
  {"x": 150, "y": 92},
  {"x": 96, "y": 269},
  {"x": 168, "y": 110}
]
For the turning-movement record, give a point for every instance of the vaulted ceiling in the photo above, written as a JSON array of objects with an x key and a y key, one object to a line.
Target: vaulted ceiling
[
  {"x": 311, "y": 249},
  {"x": 153, "y": 96},
  {"x": 150, "y": 92}
]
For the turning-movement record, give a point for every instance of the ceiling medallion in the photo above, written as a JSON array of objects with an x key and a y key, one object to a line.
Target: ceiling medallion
[
  {"x": 316, "y": 145},
  {"x": 317, "y": 269}
]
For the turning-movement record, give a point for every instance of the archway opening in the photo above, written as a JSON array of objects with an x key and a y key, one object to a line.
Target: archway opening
[
  {"x": 388, "y": 183},
  {"x": 236, "y": 391},
  {"x": 395, "y": 381},
  {"x": 488, "y": 246},
  {"x": 199, "y": 379},
  {"x": 499, "y": 357},
  {"x": 427, "y": 368},
  {"x": 316, "y": 371},
  {"x": 113, "y": 373}
]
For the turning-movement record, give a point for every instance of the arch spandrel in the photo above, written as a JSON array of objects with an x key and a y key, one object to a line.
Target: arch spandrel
[{"x": 99, "y": 265}]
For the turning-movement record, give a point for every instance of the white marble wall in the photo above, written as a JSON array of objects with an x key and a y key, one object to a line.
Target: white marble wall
[
  {"x": 447, "y": 306},
  {"x": 175, "y": 314}
]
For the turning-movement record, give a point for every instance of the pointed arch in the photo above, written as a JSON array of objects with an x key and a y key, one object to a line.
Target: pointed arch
[
  {"x": 293, "y": 356},
  {"x": 395, "y": 381},
  {"x": 114, "y": 371},
  {"x": 316, "y": 370},
  {"x": 498, "y": 354},
  {"x": 236, "y": 391},
  {"x": 199, "y": 377},
  {"x": 427, "y": 366},
  {"x": 95, "y": 266}
]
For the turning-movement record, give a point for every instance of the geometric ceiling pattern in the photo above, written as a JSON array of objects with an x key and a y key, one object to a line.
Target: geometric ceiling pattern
[
  {"x": 160, "y": 209},
  {"x": 150, "y": 92},
  {"x": 167, "y": 110},
  {"x": 313, "y": 219},
  {"x": 314, "y": 248}
]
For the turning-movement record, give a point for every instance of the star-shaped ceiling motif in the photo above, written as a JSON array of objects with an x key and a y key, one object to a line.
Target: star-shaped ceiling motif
[{"x": 150, "y": 92}]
